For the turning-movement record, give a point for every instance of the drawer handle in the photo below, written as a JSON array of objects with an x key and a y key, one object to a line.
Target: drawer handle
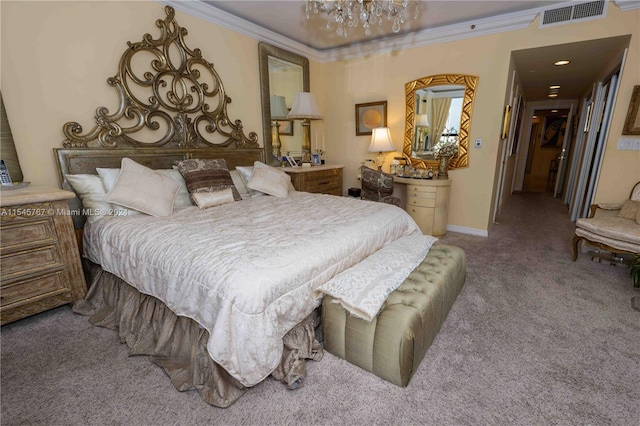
[{"x": 324, "y": 183}]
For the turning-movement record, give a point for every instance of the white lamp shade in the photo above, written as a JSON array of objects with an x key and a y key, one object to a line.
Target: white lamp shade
[
  {"x": 305, "y": 107},
  {"x": 278, "y": 108},
  {"x": 381, "y": 140},
  {"x": 422, "y": 120}
]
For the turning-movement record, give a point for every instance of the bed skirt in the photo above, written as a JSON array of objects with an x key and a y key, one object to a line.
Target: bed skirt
[{"x": 179, "y": 345}]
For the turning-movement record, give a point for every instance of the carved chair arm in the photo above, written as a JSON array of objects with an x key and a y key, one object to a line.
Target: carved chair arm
[{"x": 603, "y": 206}]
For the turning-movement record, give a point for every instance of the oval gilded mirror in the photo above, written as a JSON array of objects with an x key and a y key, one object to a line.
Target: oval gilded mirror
[{"x": 439, "y": 109}]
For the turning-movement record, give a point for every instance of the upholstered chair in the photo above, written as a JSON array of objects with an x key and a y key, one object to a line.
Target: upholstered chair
[
  {"x": 377, "y": 186},
  {"x": 612, "y": 227}
]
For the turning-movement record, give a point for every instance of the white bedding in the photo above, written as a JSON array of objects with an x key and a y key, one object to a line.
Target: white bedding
[
  {"x": 363, "y": 289},
  {"x": 246, "y": 271}
]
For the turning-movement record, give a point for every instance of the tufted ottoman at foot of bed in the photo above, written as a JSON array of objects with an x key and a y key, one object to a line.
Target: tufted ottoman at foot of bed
[{"x": 394, "y": 343}]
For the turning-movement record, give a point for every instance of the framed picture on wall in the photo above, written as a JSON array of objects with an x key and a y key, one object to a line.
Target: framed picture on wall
[
  {"x": 553, "y": 133},
  {"x": 369, "y": 116},
  {"x": 285, "y": 127}
]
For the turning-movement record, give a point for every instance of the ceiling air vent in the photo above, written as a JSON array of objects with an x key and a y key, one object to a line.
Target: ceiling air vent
[{"x": 573, "y": 12}]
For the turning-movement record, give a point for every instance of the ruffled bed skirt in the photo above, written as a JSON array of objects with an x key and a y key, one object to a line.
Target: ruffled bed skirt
[{"x": 179, "y": 345}]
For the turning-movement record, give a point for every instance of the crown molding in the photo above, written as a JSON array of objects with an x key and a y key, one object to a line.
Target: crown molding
[
  {"x": 231, "y": 22},
  {"x": 625, "y": 5},
  {"x": 480, "y": 27}
]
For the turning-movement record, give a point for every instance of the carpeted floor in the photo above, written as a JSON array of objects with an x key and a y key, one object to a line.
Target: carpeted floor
[{"x": 533, "y": 338}]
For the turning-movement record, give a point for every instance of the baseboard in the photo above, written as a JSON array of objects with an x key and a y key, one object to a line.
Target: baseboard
[{"x": 466, "y": 230}]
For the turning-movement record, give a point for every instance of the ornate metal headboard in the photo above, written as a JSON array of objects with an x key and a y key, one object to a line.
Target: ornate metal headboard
[
  {"x": 164, "y": 89},
  {"x": 157, "y": 78}
]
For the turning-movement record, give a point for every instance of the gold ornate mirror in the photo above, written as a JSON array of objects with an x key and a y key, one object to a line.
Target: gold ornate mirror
[
  {"x": 439, "y": 107},
  {"x": 282, "y": 74}
]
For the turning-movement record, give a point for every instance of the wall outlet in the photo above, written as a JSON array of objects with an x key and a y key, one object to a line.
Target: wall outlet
[{"x": 478, "y": 143}]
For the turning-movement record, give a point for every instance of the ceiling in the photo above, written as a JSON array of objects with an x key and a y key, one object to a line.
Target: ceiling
[{"x": 287, "y": 19}]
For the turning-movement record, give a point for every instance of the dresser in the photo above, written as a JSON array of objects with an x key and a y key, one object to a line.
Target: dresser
[
  {"x": 39, "y": 257},
  {"x": 323, "y": 179},
  {"x": 427, "y": 203}
]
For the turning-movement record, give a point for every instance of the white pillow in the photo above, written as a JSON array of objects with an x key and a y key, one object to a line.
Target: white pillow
[
  {"x": 91, "y": 192},
  {"x": 269, "y": 180},
  {"x": 246, "y": 172},
  {"x": 183, "y": 199},
  {"x": 216, "y": 198},
  {"x": 143, "y": 189},
  {"x": 240, "y": 184}
]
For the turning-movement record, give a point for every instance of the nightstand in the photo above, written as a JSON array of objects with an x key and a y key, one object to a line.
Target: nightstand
[
  {"x": 427, "y": 203},
  {"x": 41, "y": 267},
  {"x": 324, "y": 179}
]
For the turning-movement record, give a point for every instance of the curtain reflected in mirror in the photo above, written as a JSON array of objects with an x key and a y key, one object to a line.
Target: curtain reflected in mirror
[{"x": 438, "y": 110}]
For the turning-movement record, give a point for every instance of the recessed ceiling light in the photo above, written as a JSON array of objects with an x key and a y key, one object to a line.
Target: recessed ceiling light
[
  {"x": 554, "y": 87},
  {"x": 554, "y": 110},
  {"x": 553, "y": 95},
  {"x": 535, "y": 116},
  {"x": 562, "y": 62}
]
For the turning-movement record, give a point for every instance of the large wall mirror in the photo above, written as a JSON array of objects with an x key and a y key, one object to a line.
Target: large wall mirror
[
  {"x": 282, "y": 74},
  {"x": 439, "y": 108}
]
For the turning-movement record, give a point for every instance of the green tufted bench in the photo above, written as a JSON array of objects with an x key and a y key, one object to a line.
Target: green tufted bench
[{"x": 394, "y": 343}]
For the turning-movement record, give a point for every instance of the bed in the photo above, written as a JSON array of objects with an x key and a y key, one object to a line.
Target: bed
[{"x": 221, "y": 289}]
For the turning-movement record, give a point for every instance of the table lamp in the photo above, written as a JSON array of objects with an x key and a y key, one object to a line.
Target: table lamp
[
  {"x": 381, "y": 142},
  {"x": 278, "y": 112},
  {"x": 305, "y": 108}
]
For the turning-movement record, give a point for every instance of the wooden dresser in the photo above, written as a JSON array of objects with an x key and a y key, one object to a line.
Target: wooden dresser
[
  {"x": 324, "y": 179},
  {"x": 39, "y": 256},
  {"x": 428, "y": 203}
]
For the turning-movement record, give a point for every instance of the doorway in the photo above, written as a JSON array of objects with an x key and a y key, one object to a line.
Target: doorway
[
  {"x": 530, "y": 166},
  {"x": 548, "y": 130}
]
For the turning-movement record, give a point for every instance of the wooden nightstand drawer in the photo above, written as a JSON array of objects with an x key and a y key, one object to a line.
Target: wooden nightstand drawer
[
  {"x": 19, "y": 232},
  {"x": 32, "y": 261},
  {"x": 34, "y": 288},
  {"x": 317, "y": 179}
]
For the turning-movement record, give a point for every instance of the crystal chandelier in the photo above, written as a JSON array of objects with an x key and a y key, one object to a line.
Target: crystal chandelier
[{"x": 349, "y": 13}]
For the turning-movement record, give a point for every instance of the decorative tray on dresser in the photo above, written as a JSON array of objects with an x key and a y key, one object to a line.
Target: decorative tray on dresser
[
  {"x": 40, "y": 261},
  {"x": 428, "y": 203},
  {"x": 324, "y": 179}
]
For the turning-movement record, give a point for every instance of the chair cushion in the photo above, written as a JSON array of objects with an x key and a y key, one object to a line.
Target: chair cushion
[
  {"x": 376, "y": 185},
  {"x": 614, "y": 229}
]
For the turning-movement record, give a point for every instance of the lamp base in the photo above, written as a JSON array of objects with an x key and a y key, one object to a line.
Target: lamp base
[{"x": 380, "y": 161}]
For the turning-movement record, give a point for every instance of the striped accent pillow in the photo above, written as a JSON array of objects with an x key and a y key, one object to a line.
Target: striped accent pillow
[{"x": 207, "y": 175}]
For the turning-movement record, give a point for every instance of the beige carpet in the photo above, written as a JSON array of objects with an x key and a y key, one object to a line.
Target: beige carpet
[{"x": 533, "y": 338}]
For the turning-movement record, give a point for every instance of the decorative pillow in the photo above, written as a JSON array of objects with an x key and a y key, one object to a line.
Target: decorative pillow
[
  {"x": 629, "y": 209},
  {"x": 91, "y": 192},
  {"x": 245, "y": 173},
  {"x": 240, "y": 184},
  {"x": 376, "y": 185},
  {"x": 211, "y": 199},
  {"x": 269, "y": 180},
  {"x": 183, "y": 199},
  {"x": 143, "y": 189},
  {"x": 207, "y": 175}
]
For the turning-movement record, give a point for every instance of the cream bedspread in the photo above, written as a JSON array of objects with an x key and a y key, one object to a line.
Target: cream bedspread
[
  {"x": 363, "y": 289},
  {"x": 246, "y": 271}
]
